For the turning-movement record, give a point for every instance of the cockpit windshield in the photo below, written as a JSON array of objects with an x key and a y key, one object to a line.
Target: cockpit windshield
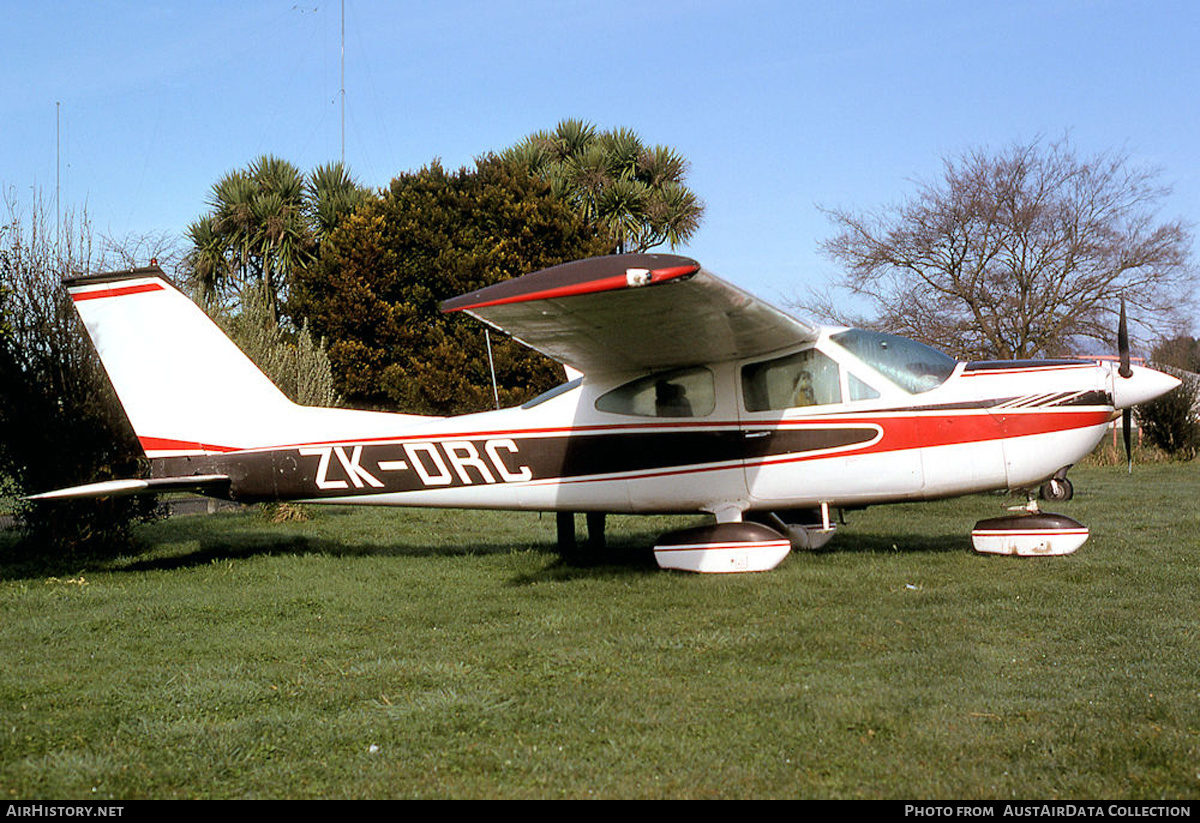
[{"x": 912, "y": 366}]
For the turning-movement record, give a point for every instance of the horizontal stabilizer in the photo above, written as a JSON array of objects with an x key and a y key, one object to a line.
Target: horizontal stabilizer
[{"x": 120, "y": 488}]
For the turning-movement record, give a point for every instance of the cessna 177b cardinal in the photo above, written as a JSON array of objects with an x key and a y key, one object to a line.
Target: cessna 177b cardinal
[{"x": 689, "y": 395}]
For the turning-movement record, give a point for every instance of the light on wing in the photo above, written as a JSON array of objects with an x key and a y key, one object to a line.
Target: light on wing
[{"x": 633, "y": 313}]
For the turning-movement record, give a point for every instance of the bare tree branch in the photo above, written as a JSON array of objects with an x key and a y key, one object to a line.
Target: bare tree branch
[{"x": 1022, "y": 253}]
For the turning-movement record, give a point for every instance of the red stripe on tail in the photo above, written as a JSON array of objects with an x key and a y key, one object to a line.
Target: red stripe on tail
[{"x": 118, "y": 291}]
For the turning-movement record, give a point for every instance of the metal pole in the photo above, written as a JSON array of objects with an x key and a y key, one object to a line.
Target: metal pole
[
  {"x": 492, "y": 366},
  {"x": 57, "y": 177},
  {"x": 343, "y": 90}
]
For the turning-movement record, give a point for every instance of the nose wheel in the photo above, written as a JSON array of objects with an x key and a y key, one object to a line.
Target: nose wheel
[{"x": 1058, "y": 488}]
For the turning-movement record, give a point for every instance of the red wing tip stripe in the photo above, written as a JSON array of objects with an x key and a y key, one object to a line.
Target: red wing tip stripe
[
  {"x": 620, "y": 281},
  {"x": 115, "y": 291},
  {"x": 673, "y": 272}
]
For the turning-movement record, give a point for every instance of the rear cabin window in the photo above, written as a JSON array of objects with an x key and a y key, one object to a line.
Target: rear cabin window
[
  {"x": 680, "y": 393},
  {"x": 806, "y": 378}
]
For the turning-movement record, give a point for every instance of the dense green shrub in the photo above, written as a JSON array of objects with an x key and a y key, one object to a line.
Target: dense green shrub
[{"x": 1171, "y": 422}]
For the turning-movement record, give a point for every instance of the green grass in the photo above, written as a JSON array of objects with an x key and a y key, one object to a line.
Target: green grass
[{"x": 393, "y": 653}]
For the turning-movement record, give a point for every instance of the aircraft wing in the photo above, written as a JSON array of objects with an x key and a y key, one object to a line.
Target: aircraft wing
[{"x": 632, "y": 313}]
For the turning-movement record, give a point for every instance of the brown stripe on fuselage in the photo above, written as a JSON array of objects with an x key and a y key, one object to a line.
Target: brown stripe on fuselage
[{"x": 376, "y": 468}]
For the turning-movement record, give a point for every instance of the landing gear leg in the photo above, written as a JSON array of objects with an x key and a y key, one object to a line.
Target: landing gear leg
[
  {"x": 569, "y": 548},
  {"x": 595, "y": 531},
  {"x": 565, "y": 524}
]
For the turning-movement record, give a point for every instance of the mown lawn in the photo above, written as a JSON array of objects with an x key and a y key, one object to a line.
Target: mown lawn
[{"x": 395, "y": 653}]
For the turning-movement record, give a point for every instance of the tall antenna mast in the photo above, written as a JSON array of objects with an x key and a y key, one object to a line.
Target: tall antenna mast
[
  {"x": 343, "y": 90},
  {"x": 57, "y": 175}
]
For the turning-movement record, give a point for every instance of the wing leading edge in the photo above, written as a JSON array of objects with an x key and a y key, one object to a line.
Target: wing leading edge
[{"x": 632, "y": 313}]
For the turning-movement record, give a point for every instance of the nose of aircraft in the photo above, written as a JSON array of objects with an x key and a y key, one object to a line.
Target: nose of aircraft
[{"x": 1140, "y": 387}]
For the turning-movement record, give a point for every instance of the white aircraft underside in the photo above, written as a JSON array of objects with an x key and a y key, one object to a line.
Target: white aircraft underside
[{"x": 694, "y": 397}]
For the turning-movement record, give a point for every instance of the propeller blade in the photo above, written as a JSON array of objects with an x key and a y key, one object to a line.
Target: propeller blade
[
  {"x": 1126, "y": 372},
  {"x": 1123, "y": 344},
  {"x": 1127, "y": 430}
]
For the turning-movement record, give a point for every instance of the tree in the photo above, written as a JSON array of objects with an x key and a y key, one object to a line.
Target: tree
[
  {"x": 332, "y": 196},
  {"x": 434, "y": 234},
  {"x": 1181, "y": 352},
  {"x": 60, "y": 422},
  {"x": 633, "y": 192},
  {"x": 264, "y": 222},
  {"x": 1172, "y": 422},
  {"x": 291, "y": 358},
  {"x": 1022, "y": 253}
]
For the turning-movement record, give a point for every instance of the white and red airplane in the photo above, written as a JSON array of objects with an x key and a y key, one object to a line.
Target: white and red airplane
[{"x": 688, "y": 395}]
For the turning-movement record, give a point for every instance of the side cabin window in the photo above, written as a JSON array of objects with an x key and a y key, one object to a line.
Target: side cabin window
[
  {"x": 860, "y": 390},
  {"x": 687, "y": 392},
  {"x": 805, "y": 378}
]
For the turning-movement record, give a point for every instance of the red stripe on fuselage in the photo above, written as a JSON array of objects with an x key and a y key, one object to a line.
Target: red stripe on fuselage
[
  {"x": 150, "y": 444},
  {"x": 117, "y": 291},
  {"x": 914, "y": 432},
  {"x": 1004, "y": 372},
  {"x": 921, "y": 431},
  {"x": 911, "y": 433},
  {"x": 900, "y": 431}
]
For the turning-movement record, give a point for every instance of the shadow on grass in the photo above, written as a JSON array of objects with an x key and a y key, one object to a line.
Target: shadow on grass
[
  {"x": 872, "y": 543},
  {"x": 250, "y": 546},
  {"x": 629, "y": 557},
  {"x": 627, "y": 553}
]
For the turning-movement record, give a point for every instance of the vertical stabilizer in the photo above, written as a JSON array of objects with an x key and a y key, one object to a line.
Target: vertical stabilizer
[{"x": 185, "y": 386}]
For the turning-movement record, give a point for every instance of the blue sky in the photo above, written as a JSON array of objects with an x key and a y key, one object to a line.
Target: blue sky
[{"x": 781, "y": 107}]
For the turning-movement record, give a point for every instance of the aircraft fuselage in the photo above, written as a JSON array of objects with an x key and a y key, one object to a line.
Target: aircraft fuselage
[{"x": 985, "y": 426}]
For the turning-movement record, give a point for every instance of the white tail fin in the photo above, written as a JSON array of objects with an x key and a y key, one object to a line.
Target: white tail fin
[{"x": 185, "y": 386}]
